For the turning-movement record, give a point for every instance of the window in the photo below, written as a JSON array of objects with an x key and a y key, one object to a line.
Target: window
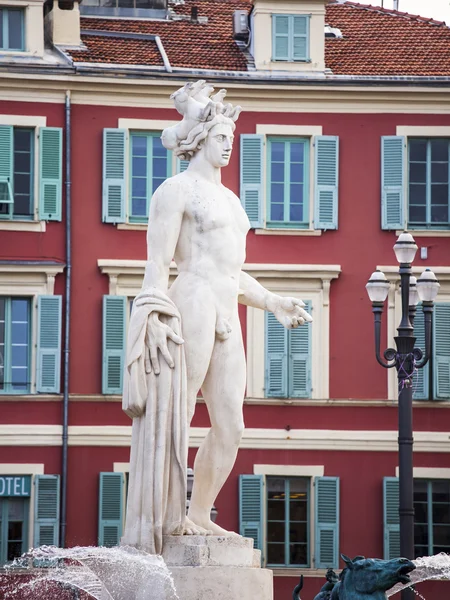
[
  {"x": 431, "y": 517},
  {"x": 276, "y": 191},
  {"x": 288, "y": 352},
  {"x": 11, "y": 29},
  {"x": 150, "y": 166},
  {"x": 287, "y": 169},
  {"x": 287, "y": 521},
  {"x": 428, "y": 183},
  {"x": 13, "y": 528},
  {"x": 293, "y": 520},
  {"x": 15, "y": 316},
  {"x": 18, "y": 194},
  {"x": 290, "y": 38}
]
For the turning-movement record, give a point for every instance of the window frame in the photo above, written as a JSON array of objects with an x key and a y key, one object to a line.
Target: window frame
[
  {"x": 11, "y": 216},
  {"x": 149, "y": 135},
  {"x": 429, "y": 506},
  {"x": 5, "y": 46},
  {"x": 289, "y": 58},
  {"x": 4, "y": 530},
  {"x": 428, "y": 224},
  {"x": 287, "y": 564},
  {"x": 8, "y": 387},
  {"x": 306, "y": 205}
]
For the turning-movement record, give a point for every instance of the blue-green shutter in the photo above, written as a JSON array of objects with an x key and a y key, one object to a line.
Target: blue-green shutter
[
  {"x": 48, "y": 361},
  {"x": 114, "y": 187},
  {"x": 276, "y": 380},
  {"x": 182, "y": 165},
  {"x": 46, "y": 510},
  {"x": 441, "y": 351},
  {"x": 327, "y": 522},
  {"x": 326, "y": 173},
  {"x": 391, "y": 518},
  {"x": 110, "y": 510},
  {"x": 392, "y": 182},
  {"x": 114, "y": 308},
  {"x": 300, "y": 37},
  {"x": 252, "y": 177},
  {"x": 50, "y": 173},
  {"x": 6, "y": 164},
  {"x": 251, "y": 498},
  {"x": 280, "y": 37},
  {"x": 299, "y": 359},
  {"x": 422, "y": 376}
]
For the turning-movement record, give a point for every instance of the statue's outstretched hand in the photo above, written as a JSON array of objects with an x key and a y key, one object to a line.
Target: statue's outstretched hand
[
  {"x": 156, "y": 339},
  {"x": 289, "y": 312}
]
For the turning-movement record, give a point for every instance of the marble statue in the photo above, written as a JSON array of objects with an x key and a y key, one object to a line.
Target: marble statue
[{"x": 188, "y": 337}]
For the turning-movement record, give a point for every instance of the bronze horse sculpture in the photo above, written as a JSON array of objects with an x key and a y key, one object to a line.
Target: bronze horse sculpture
[{"x": 362, "y": 579}]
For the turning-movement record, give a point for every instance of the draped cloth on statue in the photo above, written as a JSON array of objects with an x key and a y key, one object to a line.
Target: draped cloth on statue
[{"x": 157, "y": 404}]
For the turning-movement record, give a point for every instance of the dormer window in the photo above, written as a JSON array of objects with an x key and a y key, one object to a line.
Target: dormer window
[
  {"x": 290, "y": 38},
  {"x": 12, "y": 29}
]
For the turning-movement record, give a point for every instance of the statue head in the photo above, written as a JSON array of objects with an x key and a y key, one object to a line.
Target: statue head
[
  {"x": 208, "y": 124},
  {"x": 370, "y": 575}
]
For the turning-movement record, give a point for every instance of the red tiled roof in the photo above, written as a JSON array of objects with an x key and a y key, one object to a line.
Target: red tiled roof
[
  {"x": 375, "y": 41},
  {"x": 191, "y": 45},
  {"x": 378, "y": 41}
]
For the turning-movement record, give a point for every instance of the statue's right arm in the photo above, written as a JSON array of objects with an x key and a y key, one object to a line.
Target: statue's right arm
[{"x": 164, "y": 225}]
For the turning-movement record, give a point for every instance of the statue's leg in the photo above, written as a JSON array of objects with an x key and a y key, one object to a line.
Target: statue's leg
[{"x": 223, "y": 391}]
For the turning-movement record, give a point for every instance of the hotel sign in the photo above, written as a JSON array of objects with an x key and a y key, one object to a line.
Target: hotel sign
[{"x": 15, "y": 485}]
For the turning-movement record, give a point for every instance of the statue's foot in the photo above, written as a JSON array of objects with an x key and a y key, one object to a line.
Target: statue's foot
[
  {"x": 211, "y": 527},
  {"x": 191, "y": 528}
]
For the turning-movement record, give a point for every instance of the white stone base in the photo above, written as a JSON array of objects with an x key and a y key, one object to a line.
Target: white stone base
[{"x": 219, "y": 568}]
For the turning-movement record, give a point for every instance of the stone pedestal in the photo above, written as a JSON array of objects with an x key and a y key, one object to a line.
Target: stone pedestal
[{"x": 219, "y": 568}]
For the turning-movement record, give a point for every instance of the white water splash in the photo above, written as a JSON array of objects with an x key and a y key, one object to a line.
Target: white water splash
[
  {"x": 118, "y": 573},
  {"x": 427, "y": 567}
]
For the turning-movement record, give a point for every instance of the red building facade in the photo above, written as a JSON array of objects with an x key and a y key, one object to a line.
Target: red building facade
[{"x": 321, "y": 433}]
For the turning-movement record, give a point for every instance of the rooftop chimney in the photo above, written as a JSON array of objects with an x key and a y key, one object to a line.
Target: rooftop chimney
[{"x": 63, "y": 23}]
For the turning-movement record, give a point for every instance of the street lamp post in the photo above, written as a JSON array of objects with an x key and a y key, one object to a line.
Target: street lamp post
[{"x": 406, "y": 359}]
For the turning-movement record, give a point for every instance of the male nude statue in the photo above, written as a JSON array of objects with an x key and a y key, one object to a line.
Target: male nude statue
[{"x": 201, "y": 224}]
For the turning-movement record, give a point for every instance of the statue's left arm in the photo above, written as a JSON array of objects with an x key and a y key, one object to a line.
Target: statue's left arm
[{"x": 288, "y": 310}]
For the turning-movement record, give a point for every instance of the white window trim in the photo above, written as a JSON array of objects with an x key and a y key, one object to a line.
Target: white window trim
[
  {"x": 394, "y": 312},
  {"x": 25, "y": 469},
  {"x": 420, "y": 131},
  {"x": 31, "y": 281},
  {"x": 427, "y": 473},
  {"x": 304, "y": 131},
  {"x": 35, "y": 224},
  {"x": 309, "y": 282},
  {"x": 309, "y": 471}
]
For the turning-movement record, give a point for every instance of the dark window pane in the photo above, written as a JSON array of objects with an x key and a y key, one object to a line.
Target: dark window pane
[
  {"x": 125, "y": 3},
  {"x": 297, "y": 532},
  {"x": 441, "y": 535},
  {"x": 417, "y": 172},
  {"x": 422, "y": 551},
  {"x": 277, "y": 151},
  {"x": 418, "y": 194},
  {"x": 439, "y": 149},
  {"x": 420, "y": 490},
  {"x": 139, "y": 187},
  {"x": 439, "y": 194},
  {"x": 298, "y": 510},
  {"x": 1, "y": 28},
  {"x": 14, "y": 550},
  {"x": 418, "y": 150},
  {"x": 19, "y": 310},
  {"x": 298, "y": 554},
  {"x": 439, "y": 172},
  {"x": 441, "y": 491},
  {"x": 439, "y": 214},
  {"x": 276, "y": 487},
  {"x": 156, "y": 184},
  {"x": 15, "y": 29},
  {"x": 21, "y": 183},
  {"x": 277, "y": 212},
  {"x": 277, "y": 192},
  {"x": 297, "y": 152},
  {"x": 139, "y": 145},
  {"x": 296, "y": 173},
  {"x": 296, "y": 193},
  {"x": 22, "y": 139},
  {"x": 139, "y": 166},
  {"x": 277, "y": 172},
  {"x": 158, "y": 148},
  {"x": 417, "y": 214},
  {"x": 22, "y": 205},
  {"x": 298, "y": 487},
  {"x": 276, "y": 510},
  {"x": 160, "y": 168},
  {"x": 275, "y": 554},
  {"x": 421, "y": 534},
  {"x": 21, "y": 162},
  {"x": 296, "y": 212},
  {"x": 19, "y": 356},
  {"x": 19, "y": 377},
  {"x": 420, "y": 512},
  {"x": 139, "y": 207},
  {"x": 15, "y": 530},
  {"x": 16, "y": 510},
  {"x": 2, "y": 308},
  {"x": 275, "y": 532},
  {"x": 441, "y": 513}
]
